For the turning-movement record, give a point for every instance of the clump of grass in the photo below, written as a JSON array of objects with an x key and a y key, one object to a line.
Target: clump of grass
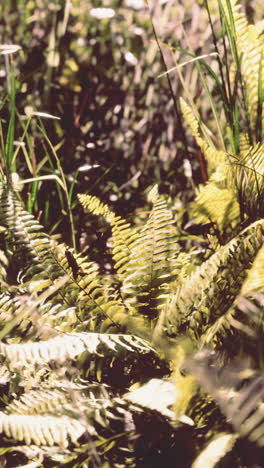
[{"x": 10, "y": 150}]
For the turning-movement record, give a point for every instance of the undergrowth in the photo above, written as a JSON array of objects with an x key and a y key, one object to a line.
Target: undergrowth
[{"x": 158, "y": 359}]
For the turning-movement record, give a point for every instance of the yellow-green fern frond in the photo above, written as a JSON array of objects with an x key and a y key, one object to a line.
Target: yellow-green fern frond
[
  {"x": 221, "y": 330},
  {"x": 96, "y": 305},
  {"x": 9, "y": 303},
  {"x": 244, "y": 144},
  {"x": 216, "y": 204},
  {"x": 213, "y": 156},
  {"x": 153, "y": 263},
  {"x": 208, "y": 293},
  {"x": 107, "y": 424},
  {"x": 237, "y": 389},
  {"x": 123, "y": 235},
  {"x": 25, "y": 236},
  {"x": 255, "y": 278},
  {"x": 46, "y": 262},
  {"x": 245, "y": 314},
  {"x": 243, "y": 318},
  {"x": 156, "y": 395},
  {"x": 248, "y": 172},
  {"x": 145, "y": 259}
]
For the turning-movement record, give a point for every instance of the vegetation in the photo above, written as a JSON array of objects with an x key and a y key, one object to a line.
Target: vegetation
[{"x": 145, "y": 347}]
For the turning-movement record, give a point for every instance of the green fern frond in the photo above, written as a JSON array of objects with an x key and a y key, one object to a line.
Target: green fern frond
[
  {"x": 53, "y": 314},
  {"x": 103, "y": 422},
  {"x": 8, "y": 304},
  {"x": 48, "y": 261},
  {"x": 217, "y": 200},
  {"x": 157, "y": 395},
  {"x": 210, "y": 290},
  {"x": 97, "y": 304}
]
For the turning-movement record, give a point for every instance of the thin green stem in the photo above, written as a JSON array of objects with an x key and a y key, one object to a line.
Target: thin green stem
[
  {"x": 63, "y": 179},
  {"x": 175, "y": 104}
]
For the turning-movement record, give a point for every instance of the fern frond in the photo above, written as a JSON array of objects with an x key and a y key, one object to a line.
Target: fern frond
[
  {"x": 48, "y": 261},
  {"x": 255, "y": 278},
  {"x": 53, "y": 315},
  {"x": 213, "y": 156},
  {"x": 146, "y": 259},
  {"x": 68, "y": 346},
  {"x": 38, "y": 402},
  {"x": 8, "y": 304},
  {"x": 59, "y": 397},
  {"x": 153, "y": 263},
  {"x": 123, "y": 235},
  {"x": 209, "y": 292},
  {"x": 24, "y": 234},
  {"x": 246, "y": 312},
  {"x": 248, "y": 172},
  {"x": 215, "y": 451},
  {"x": 110, "y": 421},
  {"x": 241, "y": 327},
  {"x": 221, "y": 330},
  {"x": 244, "y": 144},
  {"x": 42, "y": 430},
  {"x": 237, "y": 389},
  {"x": 216, "y": 204},
  {"x": 156, "y": 395}
]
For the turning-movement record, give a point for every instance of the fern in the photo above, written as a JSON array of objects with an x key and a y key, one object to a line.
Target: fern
[
  {"x": 145, "y": 260},
  {"x": 213, "y": 157},
  {"x": 238, "y": 390},
  {"x": 78, "y": 385},
  {"x": 123, "y": 234},
  {"x": 41, "y": 430},
  {"x": 216, "y": 204},
  {"x": 69, "y": 346},
  {"x": 215, "y": 451},
  {"x": 153, "y": 266},
  {"x": 151, "y": 281},
  {"x": 211, "y": 289},
  {"x": 248, "y": 173},
  {"x": 245, "y": 314},
  {"x": 54, "y": 399}
]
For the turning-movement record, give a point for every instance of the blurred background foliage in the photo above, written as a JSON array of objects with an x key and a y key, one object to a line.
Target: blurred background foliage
[{"x": 120, "y": 131}]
